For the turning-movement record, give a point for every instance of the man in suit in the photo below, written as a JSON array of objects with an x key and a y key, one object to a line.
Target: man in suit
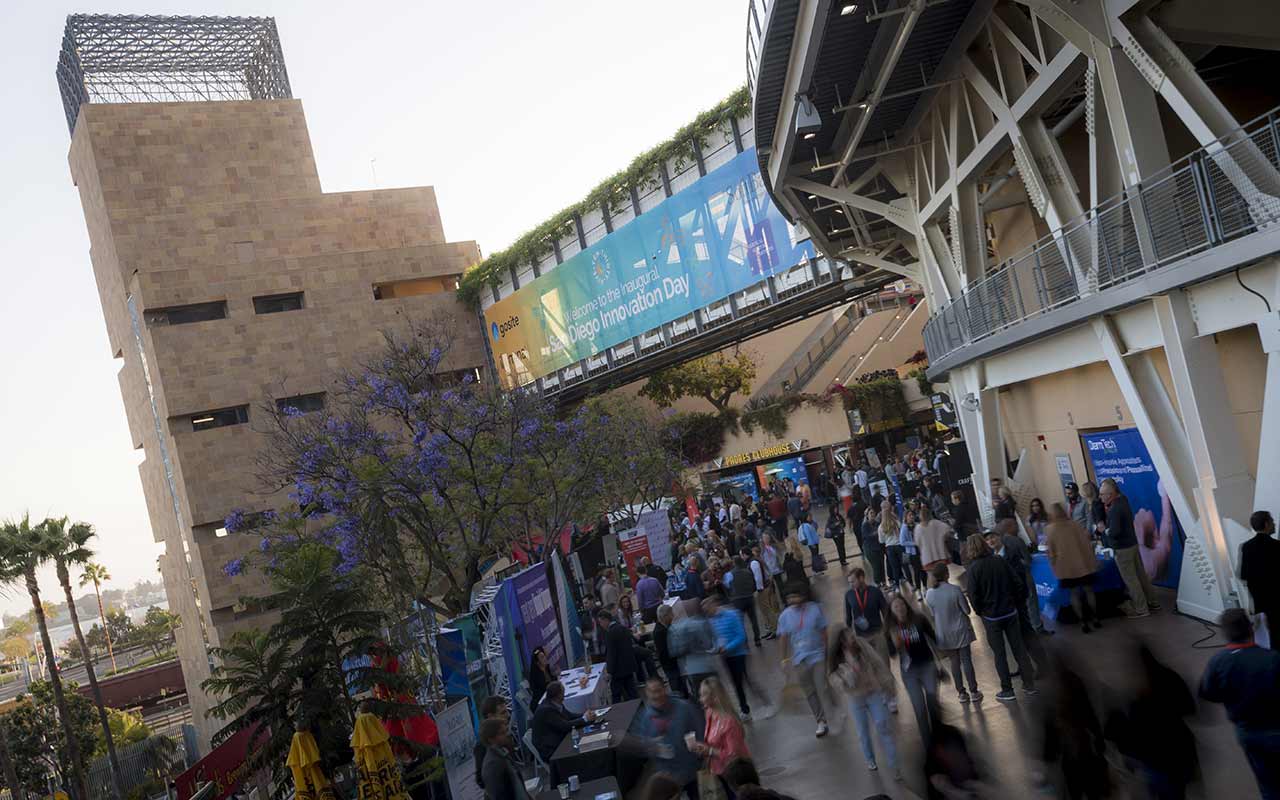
[
  {"x": 619, "y": 658},
  {"x": 1260, "y": 568},
  {"x": 552, "y": 721}
]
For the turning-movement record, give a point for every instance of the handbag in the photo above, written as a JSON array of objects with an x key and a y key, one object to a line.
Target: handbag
[{"x": 709, "y": 787}]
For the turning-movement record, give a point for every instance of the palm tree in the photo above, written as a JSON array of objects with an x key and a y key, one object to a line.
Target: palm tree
[
  {"x": 22, "y": 548},
  {"x": 66, "y": 545},
  {"x": 6, "y": 761},
  {"x": 98, "y": 575}
]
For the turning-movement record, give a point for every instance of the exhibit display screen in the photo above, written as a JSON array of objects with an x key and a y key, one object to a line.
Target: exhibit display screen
[{"x": 720, "y": 235}]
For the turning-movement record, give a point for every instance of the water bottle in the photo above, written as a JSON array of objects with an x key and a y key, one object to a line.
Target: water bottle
[{"x": 577, "y": 738}]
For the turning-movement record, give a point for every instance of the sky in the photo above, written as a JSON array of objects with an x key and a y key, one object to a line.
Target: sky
[{"x": 511, "y": 109}]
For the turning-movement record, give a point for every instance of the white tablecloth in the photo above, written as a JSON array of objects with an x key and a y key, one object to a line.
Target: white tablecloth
[{"x": 577, "y": 698}]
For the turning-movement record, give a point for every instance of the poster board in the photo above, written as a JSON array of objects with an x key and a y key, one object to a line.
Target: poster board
[
  {"x": 537, "y": 615},
  {"x": 1122, "y": 456},
  {"x": 634, "y": 545},
  {"x": 457, "y": 742},
  {"x": 656, "y": 526}
]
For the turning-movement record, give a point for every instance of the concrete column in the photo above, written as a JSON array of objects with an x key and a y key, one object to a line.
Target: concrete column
[
  {"x": 978, "y": 409},
  {"x": 1205, "y": 579}
]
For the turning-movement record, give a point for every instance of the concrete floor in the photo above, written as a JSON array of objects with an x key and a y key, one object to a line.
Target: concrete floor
[{"x": 1003, "y": 735}]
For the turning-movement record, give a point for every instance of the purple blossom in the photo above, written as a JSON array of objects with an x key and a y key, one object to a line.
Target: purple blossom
[{"x": 234, "y": 567}]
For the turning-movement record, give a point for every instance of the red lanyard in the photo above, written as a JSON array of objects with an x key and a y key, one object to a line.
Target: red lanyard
[{"x": 862, "y": 601}]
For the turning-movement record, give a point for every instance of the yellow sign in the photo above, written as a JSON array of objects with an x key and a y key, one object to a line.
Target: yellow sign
[
  {"x": 772, "y": 451},
  {"x": 309, "y": 781}
]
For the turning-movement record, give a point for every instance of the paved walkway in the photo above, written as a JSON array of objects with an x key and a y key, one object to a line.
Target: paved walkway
[{"x": 794, "y": 762}]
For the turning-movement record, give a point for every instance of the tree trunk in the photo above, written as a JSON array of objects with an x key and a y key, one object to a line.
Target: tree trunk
[
  {"x": 79, "y": 785},
  {"x": 10, "y": 774},
  {"x": 102, "y": 617},
  {"x": 64, "y": 577}
]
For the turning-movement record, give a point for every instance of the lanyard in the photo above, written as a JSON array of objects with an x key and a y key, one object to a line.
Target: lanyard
[{"x": 862, "y": 601}]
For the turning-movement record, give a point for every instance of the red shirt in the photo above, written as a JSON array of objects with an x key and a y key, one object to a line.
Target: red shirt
[{"x": 725, "y": 736}]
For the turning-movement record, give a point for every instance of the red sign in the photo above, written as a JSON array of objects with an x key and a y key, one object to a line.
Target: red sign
[
  {"x": 634, "y": 547},
  {"x": 227, "y": 766},
  {"x": 691, "y": 507}
]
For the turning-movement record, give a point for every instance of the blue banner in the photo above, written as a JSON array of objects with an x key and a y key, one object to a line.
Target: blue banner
[
  {"x": 720, "y": 235},
  {"x": 1122, "y": 456}
]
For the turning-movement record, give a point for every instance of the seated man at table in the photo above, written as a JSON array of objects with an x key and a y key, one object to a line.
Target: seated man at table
[
  {"x": 552, "y": 721},
  {"x": 502, "y": 780},
  {"x": 619, "y": 658},
  {"x": 665, "y": 721}
]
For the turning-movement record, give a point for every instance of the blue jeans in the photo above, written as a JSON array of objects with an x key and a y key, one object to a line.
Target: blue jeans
[
  {"x": 866, "y": 709},
  {"x": 921, "y": 683}
]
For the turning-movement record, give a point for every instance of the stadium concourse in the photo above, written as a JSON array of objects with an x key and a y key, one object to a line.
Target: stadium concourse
[{"x": 1005, "y": 737}]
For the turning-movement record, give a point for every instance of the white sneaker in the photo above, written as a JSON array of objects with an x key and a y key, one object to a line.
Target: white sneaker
[{"x": 822, "y": 730}]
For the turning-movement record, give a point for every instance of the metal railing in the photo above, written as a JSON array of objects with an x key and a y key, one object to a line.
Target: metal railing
[
  {"x": 757, "y": 19},
  {"x": 831, "y": 341},
  {"x": 1219, "y": 193}
]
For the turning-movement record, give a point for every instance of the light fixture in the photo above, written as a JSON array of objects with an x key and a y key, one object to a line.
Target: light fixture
[
  {"x": 839, "y": 210},
  {"x": 846, "y": 272},
  {"x": 848, "y": 9},
  {"x": 201, "y": 420},
  {"x": 813, "y": 197},
  {"x": 808, "y": 121}
]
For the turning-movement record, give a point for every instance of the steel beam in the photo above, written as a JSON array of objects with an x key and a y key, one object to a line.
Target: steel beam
[{"x": 914, "y": 9}]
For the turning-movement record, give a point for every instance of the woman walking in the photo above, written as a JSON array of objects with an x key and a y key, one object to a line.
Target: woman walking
[
  {"x": 1073, "y": 562},
  {"x": 857, "y": 671},
  {"x": 912, "y": 569},
  {"x": 793, "y": 564},
  {"x": 890, "y": 529},
  {"x": 1037, "y": 522},
  {"x": 872, "y": 550},
  {"x": 724, "y": 740},
  {"x": 912, "y": 639}
]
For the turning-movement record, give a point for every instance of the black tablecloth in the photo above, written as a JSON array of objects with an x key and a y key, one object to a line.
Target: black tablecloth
[
  {"x": 587, "y": 791},
  {"x": 602, "y": 762}
]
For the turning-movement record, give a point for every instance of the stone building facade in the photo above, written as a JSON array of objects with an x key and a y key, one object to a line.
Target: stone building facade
[{"x": 230, "y": 282}]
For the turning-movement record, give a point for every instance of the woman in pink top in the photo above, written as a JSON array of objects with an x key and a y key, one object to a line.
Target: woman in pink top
[{"x": 725, "y": 739}]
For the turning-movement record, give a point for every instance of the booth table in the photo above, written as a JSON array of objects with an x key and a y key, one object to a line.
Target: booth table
[
  {"x": 1053, "y": 598},
  {"x": 604, "y": 759},
  {"x": 578, "y": 698},
  {"x": 587, "y": 791}
]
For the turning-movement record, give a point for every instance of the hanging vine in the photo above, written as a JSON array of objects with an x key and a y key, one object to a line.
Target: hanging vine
[{"x": 614, "y": 192}]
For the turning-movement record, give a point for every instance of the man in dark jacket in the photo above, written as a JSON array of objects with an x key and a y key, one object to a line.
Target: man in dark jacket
[
  {"x": 493, "y": 707},
  {"x": 993, "y": 594},
  {"x": 742, "y": 593},
  {"x": 1246, "y": 679},
  {"x": 1260, "y": 570},
  {"x": 1122, "y": 538},
  {"x": 619, "y": 658},
  {"x": 501, "y": 779},
  {"x": 662, "y": 648},
  {"x": 966, "y": 519},
  {"x": 552, "y": 721},
  {"x": 1011, "y": 548}
]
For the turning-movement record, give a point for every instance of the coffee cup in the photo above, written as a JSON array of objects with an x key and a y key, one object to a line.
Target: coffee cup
[
  {"x": 564, "y": 791},
  {"x": 690, "y": 739},
  {"x": 573, "y": 783}
]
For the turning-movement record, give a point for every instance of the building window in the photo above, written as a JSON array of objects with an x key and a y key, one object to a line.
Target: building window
[
  {"x": 302, "y": 403},
  {"x": 183, "y": 315},
  {"x": 219, "y": 418},
  {"x": 275, "y": 303},
  {"x": 415, "y": 286}
]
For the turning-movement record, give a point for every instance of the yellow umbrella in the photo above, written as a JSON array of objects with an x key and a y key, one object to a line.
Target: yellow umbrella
[
  {"x": 304, "y": 762},
  {"x": 379, "y": 773}
]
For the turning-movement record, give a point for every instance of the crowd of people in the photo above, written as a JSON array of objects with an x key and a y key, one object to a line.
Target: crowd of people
[{"x": 742, "y": 573}]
